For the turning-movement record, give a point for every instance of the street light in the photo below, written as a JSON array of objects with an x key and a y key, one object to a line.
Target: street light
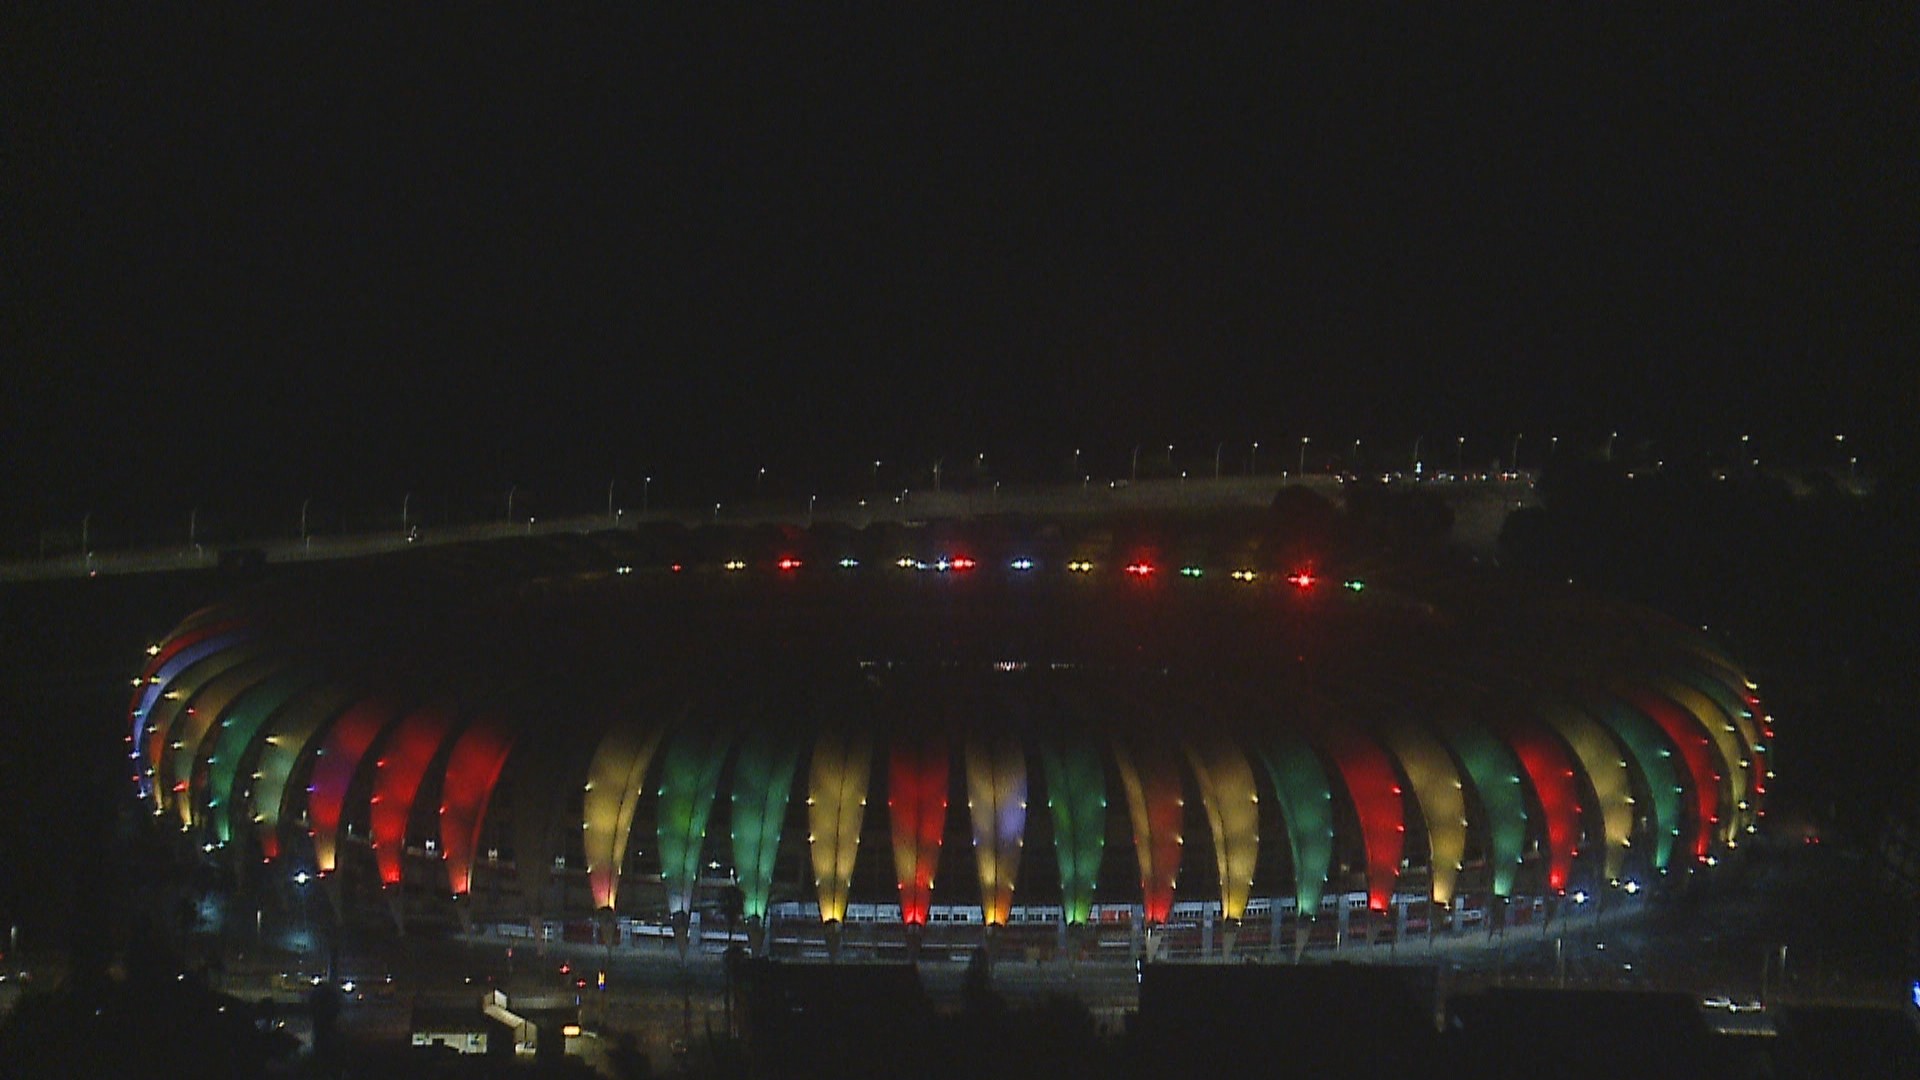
[
  {"x": 304, "y": 503},
  {"x": 810, "y": 502},
  {"x": 1217, "y": 448},
  {"x": 876, "y": 475},
  {"x": 1304, "y": 440},
  {"x": 1459, "y": 455},
  {"x": 511, "y": 488},
  {"x": 1076, "y": 460},
  {"x": 645, "y": 489},
  {"x": 1253, "y": 459},
  {"x": 1169, "y": 457},
  {"x": 1136, "y": 463},
  {"x": 1513, "y": 459},
  {"x": 716, "y": 512},
  {"x": 759, "y": 479},
  {"x": 610, "y": 484},
  {"x": 405, "y": 500}
]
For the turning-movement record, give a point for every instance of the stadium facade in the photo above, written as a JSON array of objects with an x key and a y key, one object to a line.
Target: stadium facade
[{"x": 989, "y": 725}]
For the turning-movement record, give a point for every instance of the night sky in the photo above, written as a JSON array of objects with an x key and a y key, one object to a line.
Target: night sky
[{"x": 252, "y": 258}]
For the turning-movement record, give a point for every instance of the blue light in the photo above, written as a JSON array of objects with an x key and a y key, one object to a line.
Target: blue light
[
  {"x": 1916, "y": 993},
  {"x": 1022, "y": 564}
]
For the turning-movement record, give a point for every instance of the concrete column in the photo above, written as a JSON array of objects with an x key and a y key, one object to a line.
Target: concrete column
[{"x": 682, "y": 923}]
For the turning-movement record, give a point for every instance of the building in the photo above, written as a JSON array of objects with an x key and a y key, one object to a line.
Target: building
[{"x": 1152, "y": 734}]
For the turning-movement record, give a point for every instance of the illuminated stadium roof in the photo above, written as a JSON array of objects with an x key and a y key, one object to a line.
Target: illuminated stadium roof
[{"x": 1110, "y": 715}]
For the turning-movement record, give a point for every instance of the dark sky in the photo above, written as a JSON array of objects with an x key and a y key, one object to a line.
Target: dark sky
[{"x": 250, "y": 256}]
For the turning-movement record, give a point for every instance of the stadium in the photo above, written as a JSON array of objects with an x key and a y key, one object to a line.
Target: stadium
[{"x": 1202, "y": 738}]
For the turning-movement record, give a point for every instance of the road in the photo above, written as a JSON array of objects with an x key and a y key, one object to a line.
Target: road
[{"x": 1480, "y": 507}]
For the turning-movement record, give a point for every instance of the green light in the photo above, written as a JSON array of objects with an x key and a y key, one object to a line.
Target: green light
[
  {"x": 1356, "y": 585},
  {"x": 1191, "y": 571}
]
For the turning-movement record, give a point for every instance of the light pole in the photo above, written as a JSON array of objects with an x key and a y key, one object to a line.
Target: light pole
[
  {"x": 810, "y": 502},
  {"x": 1169, "y": 457},
  {"x": 1304, "y": 440},
  {"x": 404, "y": 500},
  {"x": 610, "y": 484},
  {"x": 937, "y": 462},
  {"x": 1553, "y": 446},
  {"x": 511, "y": 488},
  {"x": 1459, "y": 455},
  {"x": 646, "y": 488},
  {"x": 304, "y": 503},
  {"x": 1353, "y": 462},
  {"x": 1253, "y": 459},
  {"x": 193, "y": 528},
  {"x": 1416, "y": 453},
  {"x": 876, "y": 475},
  {"x": 1513, "y": 459},
  {"x": 1136, "y": 464},
  {"x": 1217, "y": 448},
  {"x": 1610, "y": 437},
  {"x": 86, "y": 527},
  {"x": 716, "y": 512},
  {"x": 759, "y": 479},
  {"x": 1076, "y": 461}
]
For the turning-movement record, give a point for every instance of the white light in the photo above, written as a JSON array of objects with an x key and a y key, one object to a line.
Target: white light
[
  {"x": 302, "y": 878},
  {"x": 1580, "y": 897},
  {"x": 1632, "y": 887}
]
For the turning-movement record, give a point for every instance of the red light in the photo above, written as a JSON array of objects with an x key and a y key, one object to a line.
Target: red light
[
  {"x": 1302, "y": 579},
  {"x": 1140, "y": 569},
  {"x": 788, "y": 563},
  {"x": 677, "y": 568},
  {"x": 964, "y": 563}
]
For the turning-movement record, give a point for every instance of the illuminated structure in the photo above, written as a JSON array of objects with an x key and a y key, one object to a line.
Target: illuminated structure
[{"x": 637, "y": 724}]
